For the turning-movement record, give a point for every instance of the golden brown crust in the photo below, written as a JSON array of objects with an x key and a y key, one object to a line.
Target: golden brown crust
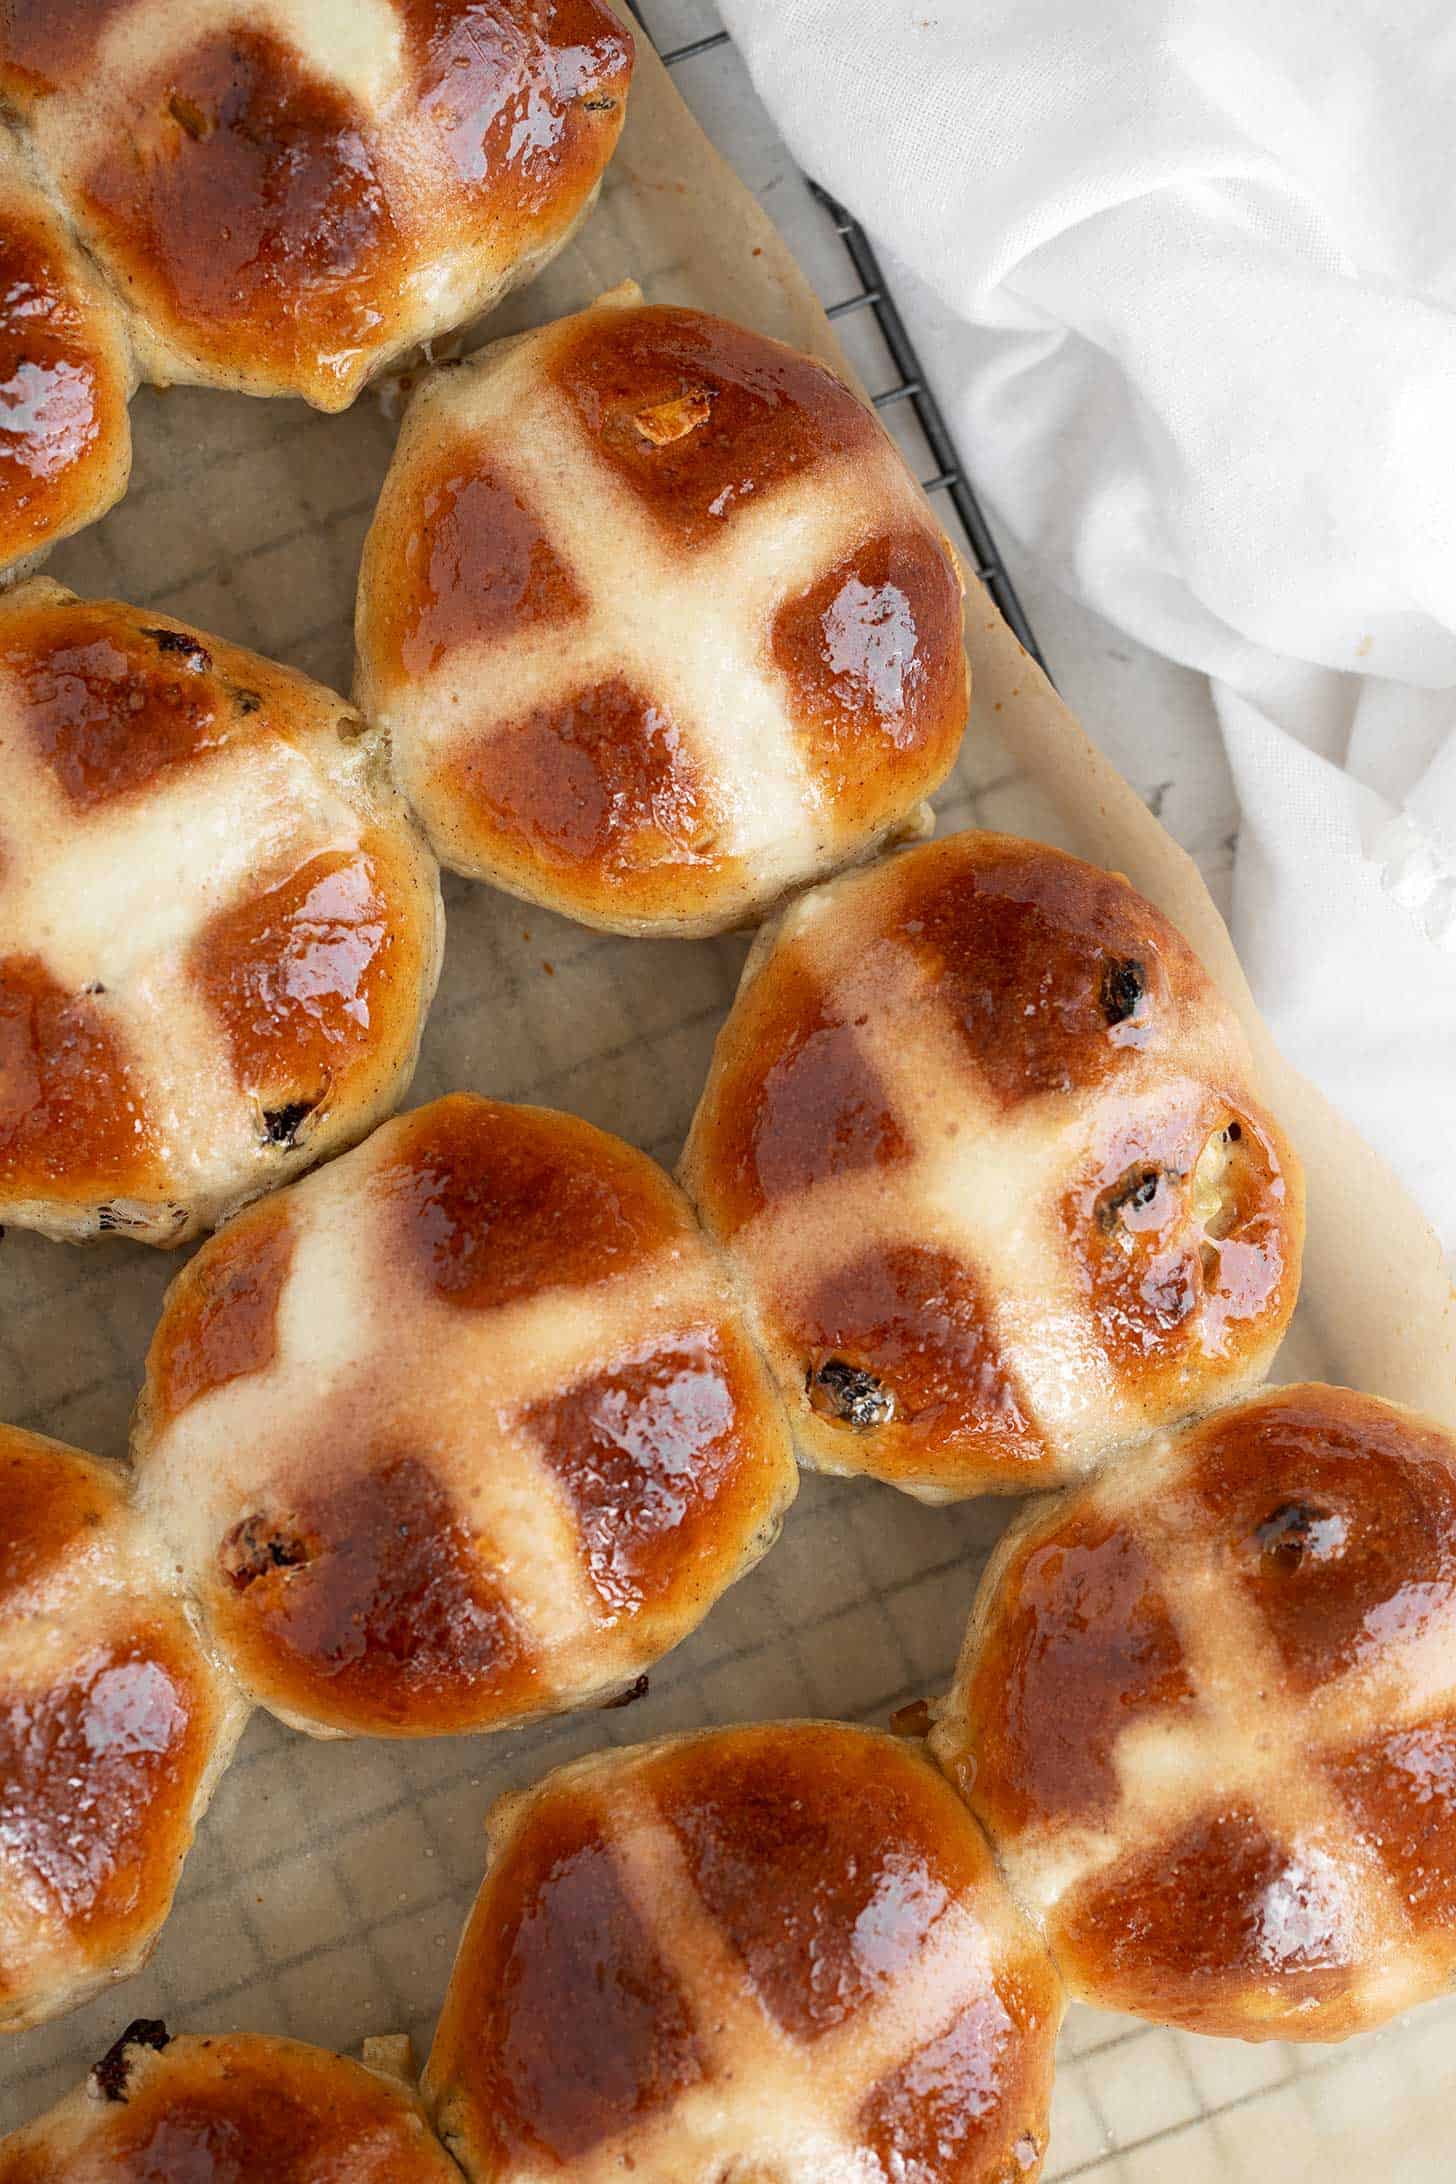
[
  {"x": 222, "y": 930},
  {"x": 284, "y": 209},
  {"x": 227, "y": 2110},
  {"x": 65, "y": 442},
  {"x": 782, "y": 1951},
  {"x": 983, "y": 1142},
  {"x": 1207, "y": 1712},
  {"x": 700, "y": 418},
  {"x": 494, "y": 1436},
  {"x": 658, "y": 622},
  {"x": 113, "y": 1726}
]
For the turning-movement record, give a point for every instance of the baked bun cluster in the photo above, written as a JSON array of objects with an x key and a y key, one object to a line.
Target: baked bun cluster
[
  {"x": 783, "y": 1953},
  {"x": 241, "y": 2108},
  {"x": 779, "y": 1952},
  {"x": 114, "y": 1726},
  {"x": 983, "y": 1144},
  {"x": 1206, "y": 1713},
  {"x": 658, "y": 622},
  {"x": 281, "y": 200},
  {"x": 219, "y": 927},
  {"x": 463, "y": 1430}
]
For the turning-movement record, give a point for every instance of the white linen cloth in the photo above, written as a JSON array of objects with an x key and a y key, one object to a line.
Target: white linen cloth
[{"x": 1184, "y": 276}]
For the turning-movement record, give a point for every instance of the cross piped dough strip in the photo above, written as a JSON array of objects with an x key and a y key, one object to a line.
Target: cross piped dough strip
[
  {"x": 357, "y": 47},
  {"x": 968, "y": 1195},
  {"x": 765, "y": 2096},
  {"x": 720, "y": 598},
  {"x": 339, "y": 1332},
  {"x": 113, "y": 893},
  {"x": 1167, "y": 1775}
]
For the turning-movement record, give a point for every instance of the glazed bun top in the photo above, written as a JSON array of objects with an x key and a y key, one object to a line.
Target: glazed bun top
[
  {"x": 113, "y": 1727},
  {"x": 659, "y": 622},
  {"x": 65, "y": 438},
  {"x": 1207, "y": 1711},
  {"x": 233, "y": 2109},
  {"x": 220, "y": 927},
  {"x": 984, "y": 1143},
  {"x": 464, "y": 1429},
  {"x": 287, "y": 193},
  {"x": 782, "y": 1952}
]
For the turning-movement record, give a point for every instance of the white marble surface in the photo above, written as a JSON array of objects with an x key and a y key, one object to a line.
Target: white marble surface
[{"x": 1152, "y": 718}]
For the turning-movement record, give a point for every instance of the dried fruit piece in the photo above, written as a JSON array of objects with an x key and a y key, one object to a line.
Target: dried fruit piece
[
  {"x": 848, "y": 1393},
  {"x": 664, "y": 422},
  {"x": 1124, "y": 989},
  {"x": 110, "y": 2075}
]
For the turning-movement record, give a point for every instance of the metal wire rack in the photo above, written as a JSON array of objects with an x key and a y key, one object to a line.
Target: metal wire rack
[{"x": 911, "y": 386}]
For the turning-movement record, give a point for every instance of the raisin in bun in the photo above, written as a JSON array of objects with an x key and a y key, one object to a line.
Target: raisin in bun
[
  {"x": 65, "y": 438},
  {"x": 983, "y": 1143},
  {"x": 1207, "y": 1713},
  {"x": 287, "y": 196},
  {"x": 238, "y": 2108},
  {"x": 464, "y": 1429},
  {"x": 777, "y": 1952},
  {"x": 659, "y": 623},
  {"x": 114, "y": 1727},
  {"x": 219, "y": 928}
]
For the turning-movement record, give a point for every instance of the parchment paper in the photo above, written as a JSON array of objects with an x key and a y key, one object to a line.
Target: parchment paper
[{"x": 329, "y": 1882}]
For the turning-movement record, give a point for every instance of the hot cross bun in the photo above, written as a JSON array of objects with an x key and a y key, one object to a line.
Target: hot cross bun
[
  {"x": 1207, "y": 1713},
  {"x": 65, "y": 375},
  {"x": 464, "y": 1429},
  {"x": 782, "y": 1953},
  {"x": 287, "y": 194},
  {"x": 983, "y": 1143},
  {"x": 659, "y": 623},
  {"x": 233, "y": 2109},
  {"x": 219, "y": 929},
  {"x": 114, "y": 1726}
]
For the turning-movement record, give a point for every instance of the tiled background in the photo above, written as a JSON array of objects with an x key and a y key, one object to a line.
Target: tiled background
[{"x": 330, "y": 1880}]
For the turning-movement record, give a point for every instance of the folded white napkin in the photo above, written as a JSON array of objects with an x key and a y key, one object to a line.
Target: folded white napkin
[{"x": 1184, "y": 274}]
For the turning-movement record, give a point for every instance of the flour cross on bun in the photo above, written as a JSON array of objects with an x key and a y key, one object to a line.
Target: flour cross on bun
[
  {"x": 219, "y": 928},
  {"x": 234, "y": 2108},
  {"x": 286, "y": 194},
  {"x": 464, "y": 1429},
  {"x": 982, "y": 1141},
  {"x": 271, "y": 196},
  {"x": 114, "y": 1727},
  {"x": 783, "y": 1954},
  {"x": 1207, "y": 1713},
  {"x": 659, "y": 623}
]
